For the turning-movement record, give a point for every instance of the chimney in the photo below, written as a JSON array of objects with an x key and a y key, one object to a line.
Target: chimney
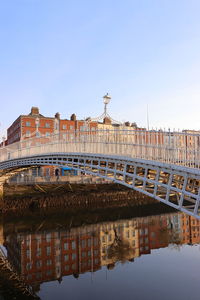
[
  {"x": 57, "y": 116},
  {"x": 73, "y": 117},
  {"x": 34, "y": 110}
]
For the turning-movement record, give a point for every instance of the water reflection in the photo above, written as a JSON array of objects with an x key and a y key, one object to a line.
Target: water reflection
[{"x": 41, "y": 254}]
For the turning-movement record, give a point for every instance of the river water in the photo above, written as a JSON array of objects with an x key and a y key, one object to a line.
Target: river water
[{"x": 111, "y": 254}]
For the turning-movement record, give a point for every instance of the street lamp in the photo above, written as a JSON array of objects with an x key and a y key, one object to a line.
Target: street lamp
[{"x": 106, "y": 100}]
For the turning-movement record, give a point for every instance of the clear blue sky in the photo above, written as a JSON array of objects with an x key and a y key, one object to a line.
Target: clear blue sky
[{"x": 64, "y": 55}]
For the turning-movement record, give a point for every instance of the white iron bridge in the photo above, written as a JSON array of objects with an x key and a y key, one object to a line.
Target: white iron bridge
[{"x": 162, "y": 165}]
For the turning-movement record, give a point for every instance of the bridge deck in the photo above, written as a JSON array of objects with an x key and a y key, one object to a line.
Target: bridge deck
[{"x": 166, "y": 171}]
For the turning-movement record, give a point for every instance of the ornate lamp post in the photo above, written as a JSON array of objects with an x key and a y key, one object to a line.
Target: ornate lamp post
[{"x": 106, "y": 100}]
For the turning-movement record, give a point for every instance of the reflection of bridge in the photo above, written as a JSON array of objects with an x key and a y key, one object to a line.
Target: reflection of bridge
[
  {"x": 76, "y": 249},
  {"x": 12, "y": 285},
  {"x": 145, "y": 161}
]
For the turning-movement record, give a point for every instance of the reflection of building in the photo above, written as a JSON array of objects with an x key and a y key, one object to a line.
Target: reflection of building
[
  {"x": 158, "y": 232},
  {"x": 190, "y": 229},
  {"x": 50, "y": 255},
  {"x": 119, "y": 241},
  {"x": 152, "y": 233}
]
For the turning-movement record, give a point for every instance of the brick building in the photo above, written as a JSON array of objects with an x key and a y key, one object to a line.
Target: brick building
[{"x": 37, "y": 125}]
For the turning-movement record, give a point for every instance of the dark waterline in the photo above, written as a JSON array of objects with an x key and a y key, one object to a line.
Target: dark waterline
[{"x": 125, "y": 254}]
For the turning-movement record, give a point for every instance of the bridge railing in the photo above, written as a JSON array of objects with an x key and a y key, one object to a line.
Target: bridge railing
[{"x": 182, "y": 148}]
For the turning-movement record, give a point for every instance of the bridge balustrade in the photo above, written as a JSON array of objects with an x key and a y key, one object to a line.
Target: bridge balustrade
[
  {"x": 167, "y": 147},
  {"x": 162, "y": 165}
]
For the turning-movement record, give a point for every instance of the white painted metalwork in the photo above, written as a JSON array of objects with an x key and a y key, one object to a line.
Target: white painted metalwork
[
  {"x": 106, "y": 100},
  {"x": 162, "y": 165}
]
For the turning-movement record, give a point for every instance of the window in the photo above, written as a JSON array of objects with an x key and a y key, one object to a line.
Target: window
[
  {"x": 49, "y": 262},
  {"x": 28, "y": 124},
  {"x": 73, "y": 256},
  {"x": 71, "y": 127},
  {"x": 38, "y": 263},
  {"x": 66, "y": 257},
  {"x": 47, "y": 134},
  {"x": 73, "y": 245},
  {"x": 74, "y": 267},
  {"x": 38, "y": 275},
  {"x": 49, "y": 272},
  {"x": 96, "y": 261},
  {"x": 89, "y": 253},
  {"x": 38, "y": 238},
  {"x": 141, "y": 231},
  {"x": 81, "y": 128},
  {"x": 38, "y": 252},
  {"x": 27, "y": 253},
  {"x": 93, "y": 129},
  {"x": 96, "y": 252},
  {"x": 66, "y": 247},
  {"x": 83, "y": 243},
  {"x": 67, "y": 268},
  {"x": 48, "y": 250},
  {"x": 48, "y": 237},
  {"x": 28, "y": 266},
  {"x": 47, "y": 125},
  {"x": 28, "y": 133},
  {"x": 83, "y": 254},
  {"x": 37, "y": 134},
  {"x": 64, "y": 127}
]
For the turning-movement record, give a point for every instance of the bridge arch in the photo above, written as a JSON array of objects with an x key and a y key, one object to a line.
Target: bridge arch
[{"x": 173, "y": 185}]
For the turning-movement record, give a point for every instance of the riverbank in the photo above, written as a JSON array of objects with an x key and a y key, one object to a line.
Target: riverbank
[{"x": 75, "y": 196}]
